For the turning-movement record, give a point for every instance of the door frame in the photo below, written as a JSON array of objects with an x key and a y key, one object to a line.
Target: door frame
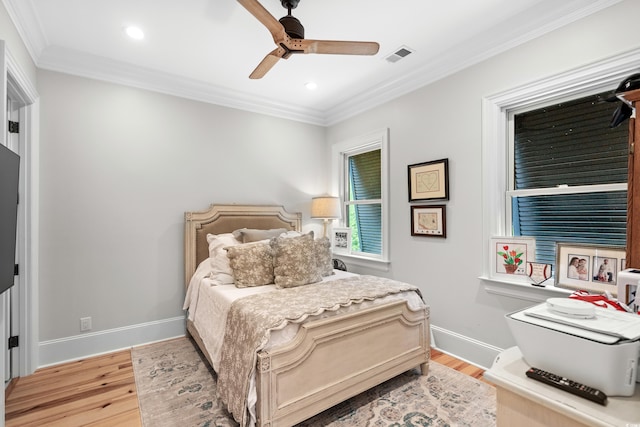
[{"x": 17, "y": 87}]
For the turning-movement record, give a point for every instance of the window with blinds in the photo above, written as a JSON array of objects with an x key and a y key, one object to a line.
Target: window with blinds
[
  {"x": 569, "y": 175},
  {"x": 364, "y": 202}
]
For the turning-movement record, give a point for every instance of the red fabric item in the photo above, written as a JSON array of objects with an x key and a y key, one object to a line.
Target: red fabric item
[{"x": 598, "y": 300}]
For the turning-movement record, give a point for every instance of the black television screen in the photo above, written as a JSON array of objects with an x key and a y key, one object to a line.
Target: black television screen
[{"x": 9, "y": 176}]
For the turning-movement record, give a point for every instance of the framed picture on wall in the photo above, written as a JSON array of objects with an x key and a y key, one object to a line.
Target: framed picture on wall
[
  {"x": 341, "y": 240},
  {"x": 429, "y": 181},
  {"x": 428, "y": 221}
]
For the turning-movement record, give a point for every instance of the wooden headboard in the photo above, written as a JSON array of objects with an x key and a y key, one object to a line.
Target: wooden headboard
[{"x": 225, "y": 219}]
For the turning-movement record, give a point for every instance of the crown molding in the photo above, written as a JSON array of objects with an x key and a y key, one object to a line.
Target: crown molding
[
  {"x": 99, "y": 68},
  {"x": 24, "y": 17},
  {"x": 22, "y": 13},
  {"x": 464, "y": 56}
]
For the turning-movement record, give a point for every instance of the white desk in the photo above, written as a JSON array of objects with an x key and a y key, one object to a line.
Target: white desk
[{"x": 522, "y": 401}]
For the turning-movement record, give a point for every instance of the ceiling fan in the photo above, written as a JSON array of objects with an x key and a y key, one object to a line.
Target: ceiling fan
[{"x": 288, "y": 34}]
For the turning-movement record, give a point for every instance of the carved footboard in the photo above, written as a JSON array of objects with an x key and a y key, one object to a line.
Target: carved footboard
[{"x": 333, "y": 359}]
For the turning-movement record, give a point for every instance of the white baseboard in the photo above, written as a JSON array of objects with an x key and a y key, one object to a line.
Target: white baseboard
[
  {"x": 464, "y": 348},
  {"x": 67, "y": 349},
  {"x": 82, "y": 346}
]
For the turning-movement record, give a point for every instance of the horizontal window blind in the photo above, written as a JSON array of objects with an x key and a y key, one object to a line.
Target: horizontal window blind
[
  {"x": 365, "y": 219},
  {"x": 364, "y": 171},
  {"x": 589, "y": 218},
  {"x": 370, "y": 227},
  {"x": 570, "y": 143}
]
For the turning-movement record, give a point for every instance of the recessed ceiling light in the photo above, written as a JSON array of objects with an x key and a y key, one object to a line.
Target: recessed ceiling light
[
  {"x": 311, "y": 85},
  {"x": 134, "y": 32}
]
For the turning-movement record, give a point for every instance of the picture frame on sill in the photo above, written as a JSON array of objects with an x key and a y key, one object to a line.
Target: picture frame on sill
[
  {"x": 341, "y": 240},
  {"x": 592, "y": 268},
  {"x": 509, "y": 256},
  {"x": 429, "y": 180},
  {"x": 429, "y": 220}
]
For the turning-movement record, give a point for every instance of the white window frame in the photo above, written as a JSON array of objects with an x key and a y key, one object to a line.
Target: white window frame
[
  {"x": 378, "y": 139},
  {"x": 590, "y": 79}
]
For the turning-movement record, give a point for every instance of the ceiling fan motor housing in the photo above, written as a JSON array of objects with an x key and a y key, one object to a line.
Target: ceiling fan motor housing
[
  {"x": 292, "y": 26},
  {"x": 289, "y": 4}
]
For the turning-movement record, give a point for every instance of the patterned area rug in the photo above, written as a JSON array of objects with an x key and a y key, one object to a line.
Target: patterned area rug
[{"x": 176, "y": 387}]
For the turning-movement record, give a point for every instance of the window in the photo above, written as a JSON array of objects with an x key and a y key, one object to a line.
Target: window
[
  {"x": 568, "y": 175},
  {"x": 363, "y": 184},
  {"x": 519, "y": 198},
  {"x": 363, "y": 205}
]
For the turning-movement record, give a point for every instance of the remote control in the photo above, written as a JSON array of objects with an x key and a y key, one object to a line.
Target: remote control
[{"x": 565, "y": 384}]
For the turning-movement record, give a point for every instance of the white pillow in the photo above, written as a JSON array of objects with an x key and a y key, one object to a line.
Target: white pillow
[{"x": 221, "y": 269}]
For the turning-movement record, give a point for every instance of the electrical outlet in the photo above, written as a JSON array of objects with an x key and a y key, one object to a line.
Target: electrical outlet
[{"x": 85, "y": 324}]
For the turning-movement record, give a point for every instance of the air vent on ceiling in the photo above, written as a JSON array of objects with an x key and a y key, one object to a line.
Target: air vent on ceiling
[{"x": 400, "y": 53}]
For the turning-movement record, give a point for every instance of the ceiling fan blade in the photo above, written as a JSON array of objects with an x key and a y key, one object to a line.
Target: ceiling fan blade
[
  {"x": 267, "y": 63},
  {"x": 273, "y": 25},
  {"x": 337, "y": 47}
]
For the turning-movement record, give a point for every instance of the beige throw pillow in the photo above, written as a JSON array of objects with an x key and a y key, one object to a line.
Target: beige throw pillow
[
  {"x": 248, "y": 235},
  {"x": 295, "y": 261},
  {"x": 251, "y": 264},
  {"x": 324, "y": 260}
]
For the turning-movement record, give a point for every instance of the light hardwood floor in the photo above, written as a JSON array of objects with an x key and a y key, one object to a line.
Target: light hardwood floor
[{"x": 101, "y": 391}]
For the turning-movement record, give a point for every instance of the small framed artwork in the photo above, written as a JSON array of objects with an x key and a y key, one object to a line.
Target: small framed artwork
[
  {"x": 341, "y": 240},
  {"x": 428, "y": 221},
  {"x": 589, "y": 267},
  {"x": 429, "y": 181},
  {"x": 510, "y": 256},
  {"x": 538, "y": 272}
]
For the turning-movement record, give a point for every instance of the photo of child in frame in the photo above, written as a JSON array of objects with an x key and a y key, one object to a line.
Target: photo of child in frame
[
  {"x": 604, "y": 269},
  {"x": 578, "y": 268}
]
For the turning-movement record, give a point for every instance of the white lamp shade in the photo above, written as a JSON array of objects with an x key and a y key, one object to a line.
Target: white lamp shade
[{"x": 325, "y": 207}]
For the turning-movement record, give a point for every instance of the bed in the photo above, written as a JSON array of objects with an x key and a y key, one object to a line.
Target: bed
[{"x": 311, "y": 365}]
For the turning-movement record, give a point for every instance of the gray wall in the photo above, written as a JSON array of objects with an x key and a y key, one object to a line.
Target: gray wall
[
  {"x": 120, "y": 166},
  {"x": 443, "y": 120}
]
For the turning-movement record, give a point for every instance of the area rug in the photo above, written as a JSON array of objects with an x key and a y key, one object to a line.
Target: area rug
[{"x": 176, "y": 387}]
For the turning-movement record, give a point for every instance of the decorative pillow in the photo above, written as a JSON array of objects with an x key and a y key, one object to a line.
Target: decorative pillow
[
  {"x": 248, "y": 235},
  {"x": 221, "y": 270},
  {"x": 291, "y": 233},
  {"x": 251, "y": 263},
  {"x": 295, "y": 261},
  {"x": 324, "y": 261}
]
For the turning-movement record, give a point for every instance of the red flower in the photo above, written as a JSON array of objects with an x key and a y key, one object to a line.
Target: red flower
[{"x": 511, "y": 256}]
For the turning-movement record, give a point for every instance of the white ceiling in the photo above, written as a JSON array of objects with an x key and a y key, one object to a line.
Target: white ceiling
[{"x": 206, "y": 49}]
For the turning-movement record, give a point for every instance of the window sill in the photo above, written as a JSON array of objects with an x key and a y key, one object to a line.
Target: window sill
[
  {"x": 523, "y": 291},
  {"x": 364, "y": 262}
]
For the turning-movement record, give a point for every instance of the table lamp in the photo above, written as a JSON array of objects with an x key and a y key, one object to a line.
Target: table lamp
[{"x": 326, "y": 208}]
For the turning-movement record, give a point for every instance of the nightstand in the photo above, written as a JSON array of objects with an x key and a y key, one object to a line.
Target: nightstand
[{"x": 522, "y": 401}]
